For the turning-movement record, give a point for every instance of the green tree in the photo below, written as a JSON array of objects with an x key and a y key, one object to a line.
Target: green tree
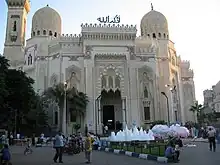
[
  {"x": 197, "y": 110},
  {"x": 78, "y": 100},
  {"x": 17, "y": 98},
  {"x": 3, "y": 73},
  {"x": 37, "y": 118}
]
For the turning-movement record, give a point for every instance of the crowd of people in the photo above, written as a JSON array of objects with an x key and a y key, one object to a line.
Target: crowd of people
[{"x": 76, "y": 143}]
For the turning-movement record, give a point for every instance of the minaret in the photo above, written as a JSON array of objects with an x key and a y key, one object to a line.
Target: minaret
[{"x": 15, "y": 31}]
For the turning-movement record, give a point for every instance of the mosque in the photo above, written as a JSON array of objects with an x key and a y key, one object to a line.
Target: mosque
[{"x": 128, "y": 79}]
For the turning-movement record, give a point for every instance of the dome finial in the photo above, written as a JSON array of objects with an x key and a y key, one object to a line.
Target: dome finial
[{"x": 152, "y": 7}]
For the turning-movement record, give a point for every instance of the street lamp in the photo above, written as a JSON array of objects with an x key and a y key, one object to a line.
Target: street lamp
[
  {"x": 64, "y": 122},
  {"x": 168, "y": 111},
  {"x": 173, "y": 89},
  {"x": 97, "y": 114}
]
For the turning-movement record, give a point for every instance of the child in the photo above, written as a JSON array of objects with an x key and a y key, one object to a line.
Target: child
[
  {"x": 28, "y": 147},
  {"x": 6, "y": 155},
  {"x": 177, "y": 152}
]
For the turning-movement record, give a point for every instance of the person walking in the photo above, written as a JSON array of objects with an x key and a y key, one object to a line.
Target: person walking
[
  {"x": 88, "y": 148},
  {"x": 58, "y": 145},
  {"x": 211, "y": 138}
]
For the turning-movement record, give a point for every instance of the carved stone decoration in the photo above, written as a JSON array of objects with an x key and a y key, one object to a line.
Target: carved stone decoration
[
  {"x": 144, "y": 58},
  {"x": 146, "y": 103},
  {"x": 73, "y": 58},
  {"x": 110, "y": 57},
  {"x": 131, "y": 49}
]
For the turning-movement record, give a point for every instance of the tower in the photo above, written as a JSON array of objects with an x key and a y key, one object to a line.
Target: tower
[{"x": 15, "y": 31}]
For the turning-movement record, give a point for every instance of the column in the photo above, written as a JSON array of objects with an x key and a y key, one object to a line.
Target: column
[
  {"x": 113, "y": 77},
  {"x": 99, "y": 111},
  {"x": 64, "y": 122},
  {"x": 123, "y": 113},
  {"x": 107, "y": 82}
]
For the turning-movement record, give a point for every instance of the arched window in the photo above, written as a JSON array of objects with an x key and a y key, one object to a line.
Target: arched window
[
  {"x": 50, "y": 33},
  {"x": 29, "y": 59},
  {"x": 167, "y": 36},
  {"x": 117, "y": 82},
  {"x": 15, "y": 26},
  {"x": 154, "y": 35},
  {"x": 56, "y": 118},
  {"x": 110, "y": 82},
  {"x": 55, "y": 34},
  {"x": 103, "y": 82},
  {"x": 38, "y": 32},
  {"x": 44, "y": 32},
  {"x": 33, "y": 33},
  {"x": 159, "y": 35},
  {"x": 145, "y": 92},
  {"x": 164, "y": 35}
]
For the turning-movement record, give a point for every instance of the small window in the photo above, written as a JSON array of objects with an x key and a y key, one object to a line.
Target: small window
[
  {"x": 145, "y": 92},
  {"x": 159, "y": 35},
  {"x": 29, "y": 59},
  {"x": 164, "y": 35},
  {"x": 50, "y": 33},
  {"x": 33, "y": 33},
  {"x": 38, "y": 32},
  {"x": 44, "y": 32},
  {"x": 55, "y": 34},
  {"x": 148, "y": 35},
  {"x": 167, "y": 36},
  {"x": 154, "y": 35},
  {"x": 146, "y": 113},
  {"x": 15, "y": 26}
]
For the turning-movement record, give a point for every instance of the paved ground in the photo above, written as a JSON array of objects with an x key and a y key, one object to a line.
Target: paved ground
[{"x": 199, "y": 155}]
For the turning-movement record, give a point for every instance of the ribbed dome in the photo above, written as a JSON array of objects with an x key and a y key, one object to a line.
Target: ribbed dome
[
  {"x": 154, "y": 24},
  {"x": 46, "y": 21}
]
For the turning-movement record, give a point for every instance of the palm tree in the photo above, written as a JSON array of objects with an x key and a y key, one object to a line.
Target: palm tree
[
  {"x": 197, "y": 111},
  {"x": 78, "y": 100},
  {"x": 79, "y": 103}
]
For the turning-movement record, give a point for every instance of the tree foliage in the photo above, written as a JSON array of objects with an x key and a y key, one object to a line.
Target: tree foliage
[
  {"x": 77, "y": 100},
  {"x": 197, "y": 110},
  {"x": 18, "y": 99}
]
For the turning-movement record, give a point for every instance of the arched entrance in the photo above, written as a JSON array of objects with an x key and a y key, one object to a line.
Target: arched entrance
[{"x": 111, "y": 109}]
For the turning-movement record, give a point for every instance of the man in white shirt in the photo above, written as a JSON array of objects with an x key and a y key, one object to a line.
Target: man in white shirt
[
  {"x": 211, "y": 137},
  {"x": 58, "y": 145}
]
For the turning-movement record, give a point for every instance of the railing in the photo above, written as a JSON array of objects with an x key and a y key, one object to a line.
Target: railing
[{"x": 143, "y": 147}]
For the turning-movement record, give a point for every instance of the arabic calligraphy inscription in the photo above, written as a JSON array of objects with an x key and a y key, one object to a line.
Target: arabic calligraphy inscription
[{"x": 107, "y": 19}]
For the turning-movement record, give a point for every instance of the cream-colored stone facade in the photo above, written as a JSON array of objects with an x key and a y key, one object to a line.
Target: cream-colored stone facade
[
  {"x": 212, "y": 98},
  {"x": 110, "y": 58}
]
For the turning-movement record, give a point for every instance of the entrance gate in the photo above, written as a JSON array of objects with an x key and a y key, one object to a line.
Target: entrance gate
[{"x": 111, "y": 109}]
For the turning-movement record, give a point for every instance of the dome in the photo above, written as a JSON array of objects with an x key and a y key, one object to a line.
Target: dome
[
  {"x": 46, "y": 21},
  {"x": 154, "y": 24}
]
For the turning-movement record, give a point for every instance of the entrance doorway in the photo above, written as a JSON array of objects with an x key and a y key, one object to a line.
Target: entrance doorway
[
  {"x": 109, "y": 116},
  {"x": 111, "y": 104}
]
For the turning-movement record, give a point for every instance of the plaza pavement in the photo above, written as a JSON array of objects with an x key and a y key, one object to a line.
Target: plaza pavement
[{"x": 199, "y": 155}]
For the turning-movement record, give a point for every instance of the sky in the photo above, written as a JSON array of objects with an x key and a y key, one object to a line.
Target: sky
[{"x": 194, "y": 27}]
